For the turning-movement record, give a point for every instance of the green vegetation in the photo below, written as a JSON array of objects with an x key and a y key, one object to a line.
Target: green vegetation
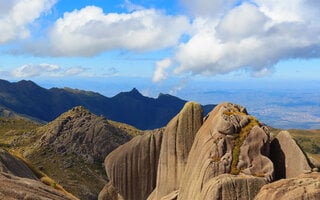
[{"x": 239, "y": 141}]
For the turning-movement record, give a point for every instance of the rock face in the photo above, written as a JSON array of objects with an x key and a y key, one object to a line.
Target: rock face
[
  {"x": 109, "y": 193},
  {"x": 132, "y": 167},
  {"x": 176, "y": 143},
  {"x": 226, "y": 186},
  {"x": 14, "y": 166},
  {"x": 79, "y": 131},
  {"x": 229, "y": 141},
  {"x": 289, "y": 160},
  {"x": 305, "y": 186},
  {"x": 13, "y": 187}
]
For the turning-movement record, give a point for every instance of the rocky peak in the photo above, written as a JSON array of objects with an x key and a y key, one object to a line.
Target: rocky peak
[{"x": 80, "y": 131}]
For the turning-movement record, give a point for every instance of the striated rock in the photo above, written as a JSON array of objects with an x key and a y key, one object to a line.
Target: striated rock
[
  {"x": 305, "y": 186},
  {"x": 132, "y": 167},
  {"x": 13, "y": 187},
  {"x": 177, "y": 140},
  {"x": 109, "y": 193},
  {"x": 226, "y": 186},
  {"x": 11, "y": 165},
  {"x": 81, "y": 132},
  {"x": 289, "y": 160},
  {"x": 229, "y": 141}
]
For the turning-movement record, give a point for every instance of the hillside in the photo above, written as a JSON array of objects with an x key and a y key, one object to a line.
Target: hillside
[
  {"x": 28, "y": 99},
  {"x": 69, "y": 149}
]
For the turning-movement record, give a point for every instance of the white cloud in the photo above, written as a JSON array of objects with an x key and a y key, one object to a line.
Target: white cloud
[
  {"x": 72, "y": 71},
  {"x": 89, "y": 31},
  {"x": 32, "y": 70},
  {"x": 160, "y": 73},
  {"x": 16, "y": 15},
  {"x": 253, "y": 37}
]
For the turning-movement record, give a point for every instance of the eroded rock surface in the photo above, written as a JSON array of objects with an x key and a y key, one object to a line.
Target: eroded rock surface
[
  {"x": 177, "y": 140},
  {"x": 288, "y": 158},
  {"x": 229, "y": 141},
  {"x": 132, "y": 167},
  {"x": 226, "y": 186},
  {"x": 11, "y": 165},
  {"x": 305, "y": 186}
]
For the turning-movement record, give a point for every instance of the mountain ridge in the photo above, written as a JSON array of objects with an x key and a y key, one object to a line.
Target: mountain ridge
[{"x": 27, "y": 98}]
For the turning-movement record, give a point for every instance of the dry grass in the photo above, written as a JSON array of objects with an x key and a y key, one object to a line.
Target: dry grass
[{"x": 42, "y": 176}]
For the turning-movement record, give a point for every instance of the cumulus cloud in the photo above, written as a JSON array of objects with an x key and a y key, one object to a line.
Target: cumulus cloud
[
  {"x": 160, "y": 73},
  {"x": 253, "y": 36},
  {"x": 89, "y": 31},
  {"x": 32, "y": 70},
  {"x": 16, "y": 15}
]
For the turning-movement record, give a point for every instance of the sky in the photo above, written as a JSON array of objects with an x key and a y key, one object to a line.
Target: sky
[{"x": 157, "y": 45}]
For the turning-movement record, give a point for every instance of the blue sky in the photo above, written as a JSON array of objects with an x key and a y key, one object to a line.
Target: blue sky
[{"x": 157, "y": 45}]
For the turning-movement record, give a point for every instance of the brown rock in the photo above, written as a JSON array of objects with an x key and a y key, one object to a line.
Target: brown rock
[
  {"x": 14, "y": 166},
  {"x": 305, "y": 186},
  {"x": 132, "y": 167},
  {"x": 228, "y": 186},
  {"x": 229, "y": 141},
  {"x": 176, "y": 143},
  {"x": 13, "y": 187},
  {"x": 109, "y": 193},
  {"x": 289, "y": 160}
]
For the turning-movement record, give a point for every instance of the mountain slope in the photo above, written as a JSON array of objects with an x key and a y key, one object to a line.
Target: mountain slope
[{"x": 27, "y": 98}]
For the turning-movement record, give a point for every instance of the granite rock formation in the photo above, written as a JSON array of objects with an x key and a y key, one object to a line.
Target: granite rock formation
[
  {"x": 226, "y": 155},
  {"x": 288, "y": 158},
  {"x": 132, "y": 167},
  {"x": 177, "y": 140},
  {"x": 229, "y": 141},
  {"x": 304, "y": 186},
  {"x": 14, "y": 187},
  {"x": 14, "y": 166}
]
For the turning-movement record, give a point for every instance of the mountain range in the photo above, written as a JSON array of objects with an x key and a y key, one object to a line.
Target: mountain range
[{"x": 29, "y": 100}]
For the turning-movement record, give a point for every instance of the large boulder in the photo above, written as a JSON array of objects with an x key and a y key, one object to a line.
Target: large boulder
[
  {"x": 229, "y": 141},
  {"x": 14, "y": 166},
  {"x": 304, "y": 186},
  {"x": 288, "y": 158},
  {"x": 177, "y": 140},
  {"x": 109, "y": 193},
  {"x": 132, "y": 167}
]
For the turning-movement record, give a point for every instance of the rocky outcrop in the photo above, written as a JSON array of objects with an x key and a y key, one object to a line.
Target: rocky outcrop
[
  {"x": 229, "y": 141},
  {"x": 81, "y": 132},
  {"x": 13, "y": 187},
  {"x": 132, "y": 167},
  {"x": 288, "y": 158},
  {"x": 109, "y": 193},
  {"x": 305, "y": 186},
  {"x": 177, "y": 140},
  {"x": 11, "y": 165}
]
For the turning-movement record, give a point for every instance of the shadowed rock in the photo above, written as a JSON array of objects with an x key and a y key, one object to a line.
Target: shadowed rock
[
  {"x": 132, "y": 167},
  {"x": 11, "y": 165},
  {"x": 109, "y": 193},
  {"x": 305, "y": 186},
  {"x": 289, "y": 160},
  {"x": 176, "y": 144},
  {"x": 229, "y": 141}
]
